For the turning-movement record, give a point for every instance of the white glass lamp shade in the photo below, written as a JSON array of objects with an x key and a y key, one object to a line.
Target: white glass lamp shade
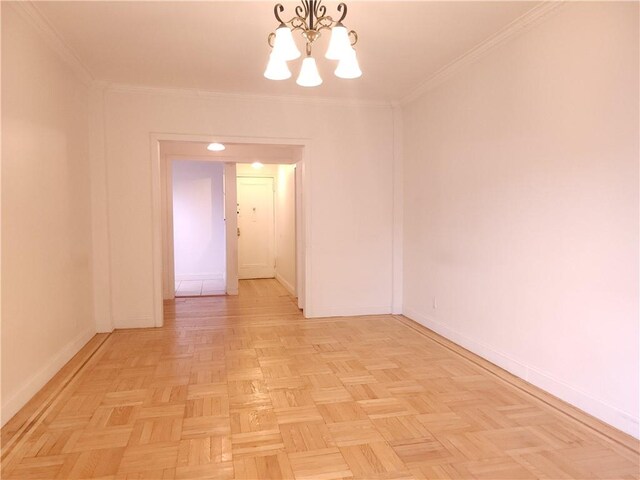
[
  {"x": 309, "y": 75},
  {"x": 348, "y": 66},
  {"x": 277, "y": 69},
  {"x": 339, "y": 44},
  {"x": 284, "y": 47}
]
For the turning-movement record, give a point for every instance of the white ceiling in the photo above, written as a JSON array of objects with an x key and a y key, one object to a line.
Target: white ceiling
[{"x": 222, "y": 47}]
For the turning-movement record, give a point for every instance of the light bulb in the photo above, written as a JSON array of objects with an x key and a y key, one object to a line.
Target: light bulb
[
  {"x": 277, "y": 69},
  {"x": 348, "y": 66},
  {"x": 215, "y": 147},
  {"x": 284, "y": 47},
  {"x": 339, "y": 44},
  {"x": 309, "y": 76},
  {"x": 257, "y": 165}
]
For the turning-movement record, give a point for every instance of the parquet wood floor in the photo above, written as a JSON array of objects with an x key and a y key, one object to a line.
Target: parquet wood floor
[{"x": 244, "y": 387}]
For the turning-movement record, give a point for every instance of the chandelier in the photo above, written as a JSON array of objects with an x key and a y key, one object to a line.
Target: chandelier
[{"x": 311, "y": 19}]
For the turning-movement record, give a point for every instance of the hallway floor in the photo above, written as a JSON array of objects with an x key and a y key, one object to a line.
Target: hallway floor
[
  {"x": 245, "y": 387},
  {"x": 197, "y": 288}
]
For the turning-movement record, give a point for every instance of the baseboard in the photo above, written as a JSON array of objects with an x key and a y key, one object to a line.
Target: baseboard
[
  {"x": 135, "y": 321},
  {"x": 32, "y": 385},
  {"x": 608, "y": 414},
  {"x": 288, "y": 287},
  {"x": 332, "y": 311},
  {"x": 200, "y": 276}
]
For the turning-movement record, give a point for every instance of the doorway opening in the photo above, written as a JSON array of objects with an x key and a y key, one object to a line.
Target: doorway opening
[
  {"x": 190, "y": 266},
  {"x": 199, "y": 243},
  {"x": 266, "y": 206}
]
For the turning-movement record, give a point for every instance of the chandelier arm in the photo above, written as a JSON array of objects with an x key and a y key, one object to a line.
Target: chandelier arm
[
  {"x": 311, "y": 18},
  {"x": 342, "y": 8},
  {"x": 302, "y": 11},
  {"x": 355, "y": 37},
  {"x": 325, "y": 22},
  {"x": 321, "y": 11},
  {"x": 277, "y": 10},
  {"x": 297, "y": 23}
]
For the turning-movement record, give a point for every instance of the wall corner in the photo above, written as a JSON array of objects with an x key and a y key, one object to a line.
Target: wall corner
[{"x": 398, "y": 212}]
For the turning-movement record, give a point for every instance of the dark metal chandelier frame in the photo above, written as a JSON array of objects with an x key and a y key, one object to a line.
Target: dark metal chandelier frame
[{"x": 311, "y": 18}]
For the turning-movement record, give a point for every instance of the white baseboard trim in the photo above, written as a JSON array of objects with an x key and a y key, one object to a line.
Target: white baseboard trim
[
  {"x": 609, "y": 414},
  {"x": 104, "y": 329},
  {"x": 135, "y": 321},
  {"x": 288, "y": 287},
  {"x": 32, "y": 385},
  {"x": 200, "y": 276},
  {"x": 332, "y": 311}
]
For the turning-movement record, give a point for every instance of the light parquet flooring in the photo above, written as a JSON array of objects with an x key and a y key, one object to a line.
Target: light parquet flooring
[{"x": 244, "y": 387}]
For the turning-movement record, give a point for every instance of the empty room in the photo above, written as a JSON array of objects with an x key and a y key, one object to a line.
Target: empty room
[{"x": 320, "y": 240}]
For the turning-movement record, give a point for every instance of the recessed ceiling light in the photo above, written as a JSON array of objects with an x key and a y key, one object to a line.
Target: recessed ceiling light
[
  {"x": 215, "y": 147},
  {"x": 257, "y": 165}
]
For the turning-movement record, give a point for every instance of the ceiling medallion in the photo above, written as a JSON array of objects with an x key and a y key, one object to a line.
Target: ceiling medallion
[{"x": 311, "y": 19}]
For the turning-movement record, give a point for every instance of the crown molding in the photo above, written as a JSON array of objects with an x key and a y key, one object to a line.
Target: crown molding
[
  {"x": 30, "y": 13},
  {"x": 519, "y": 25},
  {"x": 204, "y": 94}
]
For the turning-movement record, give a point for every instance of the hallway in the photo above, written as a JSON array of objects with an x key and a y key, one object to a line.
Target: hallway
[{"x": 245, "y": 387}]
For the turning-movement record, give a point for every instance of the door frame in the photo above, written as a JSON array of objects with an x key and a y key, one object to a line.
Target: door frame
[{"x": 162, "y": 236}]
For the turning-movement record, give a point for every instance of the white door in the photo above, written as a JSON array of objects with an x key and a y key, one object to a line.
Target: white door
[{"x": 256, "y": 252}]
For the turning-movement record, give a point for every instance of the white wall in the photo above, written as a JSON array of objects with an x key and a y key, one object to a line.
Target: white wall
[
  {"x": 286, "y": 227},
  {"x": 198, "y": 220},
  {"x": 521, "y": 208},
  {"x": 46, "y": 222},
  {"x": 349, "y": 160}
]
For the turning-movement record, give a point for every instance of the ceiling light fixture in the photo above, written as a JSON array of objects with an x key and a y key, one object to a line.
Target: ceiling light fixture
[
  {"x": 215, "y": 147},
  {"x": 257, "y": 165},
  {"x": 311, "y": 18}
]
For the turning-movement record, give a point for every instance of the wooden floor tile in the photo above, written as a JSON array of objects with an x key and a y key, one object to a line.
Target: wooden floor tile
[
  {"x": 266, "y": 442},
  {"x": 254, "y": 419},
  {"x": 206, "y": 426},
  {"x": 287, "y": 415},
  {"x": 399, "y": 428},
  {"x": 244, "y": 387},
  {"x": 369, "y": 460},
  {"x": 342, "y": 412},
  {"x": 306, "y": 436},
  {"x": 92, "y": 463},
  {"x": 386, "y": 407},
  {"x": 204, "y": 450},
  {"x": 142, "y": 458},
  {"x": 354, "y": 432},
  {"x": 326, "y": 464},
  {"x": 214, "y": 471},
  {"x": 263, "y": 467},
  {"x": 427, "y": 450}
]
